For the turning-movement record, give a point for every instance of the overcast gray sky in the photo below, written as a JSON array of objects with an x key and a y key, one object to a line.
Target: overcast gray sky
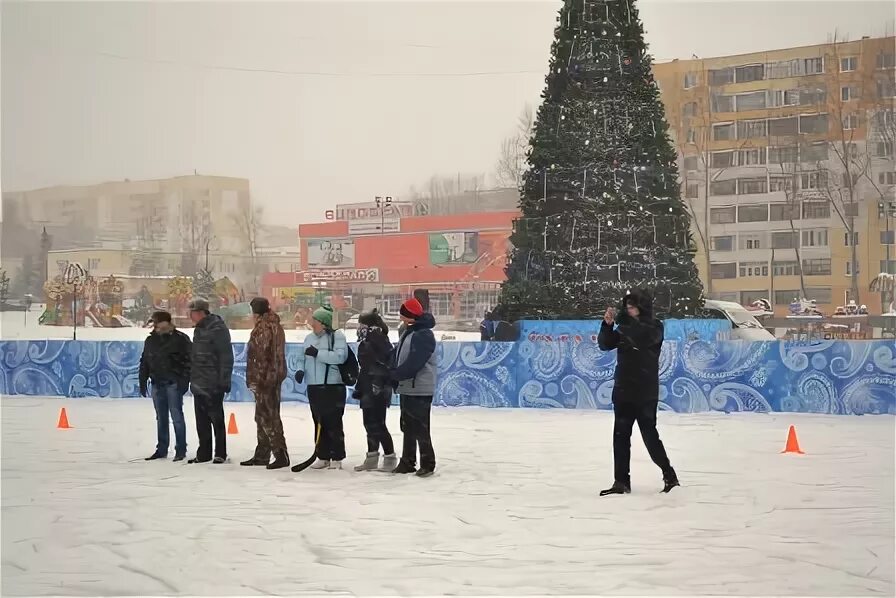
[{"x": 318, "y": 103}]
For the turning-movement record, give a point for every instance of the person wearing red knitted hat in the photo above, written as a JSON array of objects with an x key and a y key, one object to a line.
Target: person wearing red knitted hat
[{"x": 413, "y": 374}]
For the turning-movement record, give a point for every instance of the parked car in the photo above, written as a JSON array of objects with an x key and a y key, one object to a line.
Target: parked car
[{"x": 744, "y": 326}]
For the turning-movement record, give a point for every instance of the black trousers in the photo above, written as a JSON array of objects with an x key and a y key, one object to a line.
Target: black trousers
[
  {"x": 209, "y": 410},
  {"x": 327, "y": 408},
  {"x": 626, "y": 415},
  {"x": 377, "y": 432},
  {"x": 415, "y": 412}
]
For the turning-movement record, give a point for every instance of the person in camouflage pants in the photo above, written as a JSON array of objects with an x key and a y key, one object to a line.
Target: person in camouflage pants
[{"x": 265, "y": 372}]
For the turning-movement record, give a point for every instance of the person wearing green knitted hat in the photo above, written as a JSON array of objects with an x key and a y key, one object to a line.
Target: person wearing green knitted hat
[{"x": 324, "y": 350}]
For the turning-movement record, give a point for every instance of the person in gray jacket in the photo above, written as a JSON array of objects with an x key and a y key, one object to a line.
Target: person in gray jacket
[{"x": 414, "y": 376}]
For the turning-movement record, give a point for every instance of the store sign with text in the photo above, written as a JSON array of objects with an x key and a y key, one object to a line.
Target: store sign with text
[
  {"x": 372, "y": 218},
  {"x": 347, "y": 275}
]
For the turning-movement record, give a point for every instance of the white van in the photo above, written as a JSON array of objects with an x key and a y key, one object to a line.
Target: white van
[{"x": 744, "y": 326}]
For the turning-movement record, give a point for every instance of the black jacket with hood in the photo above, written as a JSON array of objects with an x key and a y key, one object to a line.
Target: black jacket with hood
[
  {"x": 212, "y": 363},
  {"x": 166, "y": 359},
  {"x": 638, "y": 342},
  {"x": 374, "y": 388}
]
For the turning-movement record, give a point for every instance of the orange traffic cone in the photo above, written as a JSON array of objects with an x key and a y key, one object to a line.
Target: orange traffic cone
[
  {"x": 63, "y": 420},
  {"x": 793, "y": 445},
  {"x": 231, "y": 425}
]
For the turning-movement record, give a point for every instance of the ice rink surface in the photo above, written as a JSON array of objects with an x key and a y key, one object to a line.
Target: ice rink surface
[{"x": 513, "y": 509}]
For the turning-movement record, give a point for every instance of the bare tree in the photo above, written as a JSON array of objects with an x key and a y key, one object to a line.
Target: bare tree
[
  {"x": 195, "y": 235},
  {"x": 248, "y": 221},
  {"x": 515, "y": 151}
]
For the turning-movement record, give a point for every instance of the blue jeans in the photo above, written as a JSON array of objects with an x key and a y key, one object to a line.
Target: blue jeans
[{"x": 168, "y": 398}]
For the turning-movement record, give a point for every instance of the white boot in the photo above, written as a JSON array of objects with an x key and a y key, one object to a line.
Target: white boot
[
  {"x": 370, "y": 463},
  {"x": 320, "y": 464},
  {"x": 390, "y": 462},
  {"x": 335, "y": 464}
]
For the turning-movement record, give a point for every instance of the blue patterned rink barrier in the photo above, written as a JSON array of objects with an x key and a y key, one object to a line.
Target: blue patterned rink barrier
[{"x": 539, "y": 371}]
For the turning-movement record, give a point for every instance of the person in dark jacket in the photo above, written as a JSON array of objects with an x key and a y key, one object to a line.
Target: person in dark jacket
[
  {"x": 414, "y": 376},
  {"x": 487, "y": 327},
  {"x": 265, "y": 373},
  {"x": 166, "y": 361},
  {"x": 212, "y": 369},
  {"x": 638, "y": 339},
  {"x": 374, "y": 390}
]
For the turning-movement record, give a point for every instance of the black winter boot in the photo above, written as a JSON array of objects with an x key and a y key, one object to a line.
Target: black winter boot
[
  {"x": 404, "y": 467},
  {"x": 670, "y": 480},
  {"x": 281, "y": 460},
  {"x": 255, "y": 462},
  {"x": 617, "y": 488}
]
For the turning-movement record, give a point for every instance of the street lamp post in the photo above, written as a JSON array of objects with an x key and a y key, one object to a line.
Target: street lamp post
[
  {"x": 75, "y": 275},
  {"x": 886, "y": 210},
  {"x": 382, "y": 203}
]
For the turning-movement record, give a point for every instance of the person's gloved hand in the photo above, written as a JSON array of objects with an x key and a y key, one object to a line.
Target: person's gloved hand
[
  {"x": 357, "y": 394},
  {"x": 300, "y": 376},
  {"x": 144, "y": 391},
  {"x": 311, "y": 351}
]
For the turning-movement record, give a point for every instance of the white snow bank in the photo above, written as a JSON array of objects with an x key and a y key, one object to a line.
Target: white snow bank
[{"x": 513, "y": 509}]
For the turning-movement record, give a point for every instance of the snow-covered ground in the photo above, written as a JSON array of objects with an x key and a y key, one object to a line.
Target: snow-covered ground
[
  {"x": 14, "y": 327},
  {"x": 513, "y": 509}
]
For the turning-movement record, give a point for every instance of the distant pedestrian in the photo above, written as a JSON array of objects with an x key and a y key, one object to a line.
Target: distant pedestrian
[
  {"x": 212, "y": 369},
  {"x": 414, "y": 372},
  {"x": 487, "y": 327},
  {"x": 265, "y": 373},
  {"x": 638, "y": 339},
  {"x": 324, "y": 351},
  {"x": 166, "y": 362},
  {"x": 374, "y": 390}
]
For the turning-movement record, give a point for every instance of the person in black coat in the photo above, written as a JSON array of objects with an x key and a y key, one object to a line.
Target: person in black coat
[
  {"x": 374, "y": 390},
  {"x": 212, "y": 369},
  {"x": 166, "y": 361},
  {"x": 638, "y": 339}
]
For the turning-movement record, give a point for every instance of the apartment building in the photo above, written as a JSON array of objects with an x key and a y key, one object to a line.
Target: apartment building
[{"x": 787, "y": 164}]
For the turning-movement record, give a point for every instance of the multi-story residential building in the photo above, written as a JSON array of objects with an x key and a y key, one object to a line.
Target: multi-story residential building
[{"x": 787, "y": 164}]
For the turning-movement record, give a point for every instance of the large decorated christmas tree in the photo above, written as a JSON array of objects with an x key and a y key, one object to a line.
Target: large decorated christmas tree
[{"x": 601, "y": 204}]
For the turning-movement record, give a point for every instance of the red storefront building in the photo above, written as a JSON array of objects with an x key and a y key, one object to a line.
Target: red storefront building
[{"x": 364, "y": 257}]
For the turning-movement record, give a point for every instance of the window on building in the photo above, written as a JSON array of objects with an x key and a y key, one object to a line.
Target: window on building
[
  {"x": 784, "y": 155},
  {"x": 813, "y": 66},
  {"x": 814, "y": 180},
  {"x": 783, "y": 126},
  {"x": 723, "y": 132},
  {"x": 751, "y": 157},
  {"x": 722, "y": 215},
  {"x": 751, "y": 72},
  {"x": 814, "y": 152},
  {"x": 690, "y": 163},
  {"x": 850, "y": 239},
  {"x": 849, "y": 179},
  {"x": 814, "y": 123},
  {"x": 723, "y": 187},
  {"x": 817, "y": 237},
  {"x": 850, "y": 122},
  {"x": 723, "y": 270},
  {"x": 748, "y": 297},
  {"x": 849, "y": 268},
  {"x": 752, "y": 129},
  {"x": 689, "y": 110},
  {"x": 722, "y": 159},
  {"x": 692, "y": 191},
  {"x": 887, "y": 237},
  {"x": 886, "y": 88},
  {"x": 758, "y": 213},
  {"x": 817, "y": 267},
  {"x": 821, "y": 295},
  {"x": 691, "y": 136},
  {"x": 813, "y": 97},
  {"x": 746, "y": 269},
  {"x": 783, "y": 97},
  {"x": 93, "y": 264},
  {"x": 848, "y": 93},
  {"x": 752, "y": 186},
  {"x": 786, "y": 297},
  {"x": 690, "y": 80},
  {"x": 886, "y": 60},
  {"x": 884, "y": 119},
  {"x": 851, "y": 209},
  {"x": 780, "y": 183},
  {"x": 721, "y": 76},
  {"x": 755, "y": 100},
  {"x": 816, "y": 210},
  {"x": 722, "y": 243},
  {"x": 888, "y": 266},
  {"x": 886, "y": 178},
  {"x": 883, "y": 149},
  {"x": 721, "y": 103},
  {"x": 849, "y": 64},
  {"x": 786, "y": 268},
  {"x": 784, "y": 240},
  {"x": 752, "y": 241}
]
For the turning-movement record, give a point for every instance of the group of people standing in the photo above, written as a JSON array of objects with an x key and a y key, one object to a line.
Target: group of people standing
[{"x": 173, "y": 363}]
